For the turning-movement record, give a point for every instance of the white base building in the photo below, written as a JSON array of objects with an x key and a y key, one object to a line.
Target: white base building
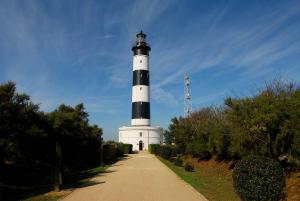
[{"x": 140, "y": 136}]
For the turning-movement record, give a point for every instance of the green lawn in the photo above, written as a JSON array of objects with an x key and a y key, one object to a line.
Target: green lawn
[{"x": 214, "y": 184}]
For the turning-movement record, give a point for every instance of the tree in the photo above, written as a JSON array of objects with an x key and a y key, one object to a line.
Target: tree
[
  {"x": 21, "y": 123},
  {"x": 260, "y": 121},
  {"x": 76, "y": 141}
]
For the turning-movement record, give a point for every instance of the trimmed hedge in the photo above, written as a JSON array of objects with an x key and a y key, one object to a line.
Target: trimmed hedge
[
  {"x": 165, "y": 151},
  {"x": 109, "y": 152},
  {"x": 259, "y": 178},
  {"x": 112, "y": 150},
  {"x": 153, "y": 148},
  {"x": 127, "y": 148}
]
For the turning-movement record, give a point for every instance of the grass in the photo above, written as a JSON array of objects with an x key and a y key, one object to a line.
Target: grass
[
  {"x": 46, "y": 197},
  {"x": 214, "y": 184}
]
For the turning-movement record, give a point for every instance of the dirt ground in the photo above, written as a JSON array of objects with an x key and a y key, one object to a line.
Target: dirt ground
[
  {"x": 293, "y": 186},
  {"x": 139, "y": 177}
]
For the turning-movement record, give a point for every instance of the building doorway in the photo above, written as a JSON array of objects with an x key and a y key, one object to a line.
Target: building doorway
[{"x": 141, "y": 144}]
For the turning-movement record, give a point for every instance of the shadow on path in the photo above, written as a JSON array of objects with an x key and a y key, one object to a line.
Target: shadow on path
[{"x": 72, "y": 181}]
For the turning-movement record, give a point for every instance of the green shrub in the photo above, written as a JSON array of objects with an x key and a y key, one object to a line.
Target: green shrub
[
  {"x": 178, "y": 162},
  {"x": 205, "y": 155},
  {"x": 165, "y": 151},
  {"x": 153, "y": 148},
  {"x": 109, "y": 152},
  {"x": 259, "y": 178},
  {"x": 198, "y": 150},
  {"x": 174, "y": 151},
  {"x": 189, "y": 167},
  {"x": 127, "y": 148},
  {"x": 172, "y": 159},
  {"x": 112, "y": 150},
  {"x": 120, "y": 149}
]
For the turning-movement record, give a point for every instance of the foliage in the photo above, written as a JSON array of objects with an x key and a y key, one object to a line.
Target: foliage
[
  {"x": 168, "y": 152},
  {"x": 165, "y": 151},
  {"x": 22, "y": 125},
  {"x": 265, "y": 124},
  {"x": 153, "y": 148},
  {"x": 127, "y": 148},
  {"x": 28, "y": 136},
  {"x": 178, "y": 162},
  {"x": 189, "y": 167},
  {"x": 80, "y": 142},
  {"x": 112, "y": 150},
  {"x": 259, "y": 178}
]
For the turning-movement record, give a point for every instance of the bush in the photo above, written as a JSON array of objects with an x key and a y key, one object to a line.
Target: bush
[
  {"x": 175, "y": 151},
  {"x": 178, "y": 162},
  {"x": 127, "y": 148},
  {"x": 259, "y": 178},
  {"x": 112, "y": 150},
  {"x": 109, "y": 152},
  {"x": 165, "y": 151},
  {"x": 153, "y": 148},
  {"x": 198, "y": 150},
  {"x": 205, "y": 155},
  {"x": 189, "y": 167},
  {"x": 172, "y": 159},
  {"x": 120, "y": 149}
]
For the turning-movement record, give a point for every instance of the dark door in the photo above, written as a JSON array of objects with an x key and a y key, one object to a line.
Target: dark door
[{"x": 141, "y": 145}]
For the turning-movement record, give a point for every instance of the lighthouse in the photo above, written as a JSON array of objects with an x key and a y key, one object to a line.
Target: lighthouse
[
  {"x": 140, "y": 82},
  {"x": 140, "y": 134}
]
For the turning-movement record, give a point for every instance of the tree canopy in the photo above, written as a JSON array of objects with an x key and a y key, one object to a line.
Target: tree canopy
[{"x": 266, "y": 124}]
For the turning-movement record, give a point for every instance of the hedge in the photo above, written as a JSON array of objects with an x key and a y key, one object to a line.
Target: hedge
[
  {"x": 164, "y": 151},
  {"x": 112, "y": 150},
  {"x": 153, "y": 148},
  {"x": 127, "y": 148}
]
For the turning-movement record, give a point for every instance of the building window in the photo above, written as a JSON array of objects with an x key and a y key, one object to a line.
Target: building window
[
  {"x": 141, "y": 88},
  {"x": 140, "y": 61},
  {"x": 141, "y": 134}
]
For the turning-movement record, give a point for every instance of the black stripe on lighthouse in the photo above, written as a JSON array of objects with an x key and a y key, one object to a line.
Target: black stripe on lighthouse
[
  {"x": 140, "y": 77},
  {"x": 140, "y": 110},
  {"x": 141, "y": 50}
]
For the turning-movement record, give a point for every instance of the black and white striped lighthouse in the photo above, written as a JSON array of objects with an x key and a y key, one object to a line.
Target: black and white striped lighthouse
[
  {"x": 140, "y": 82},
  {"x": 140, "y": 134}
]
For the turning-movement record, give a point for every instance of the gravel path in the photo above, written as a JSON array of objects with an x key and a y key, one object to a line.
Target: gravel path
[{"x": 139, "y": 177}]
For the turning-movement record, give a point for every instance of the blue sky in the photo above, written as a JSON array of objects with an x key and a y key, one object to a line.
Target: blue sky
[{"x": 80, "y": 51}]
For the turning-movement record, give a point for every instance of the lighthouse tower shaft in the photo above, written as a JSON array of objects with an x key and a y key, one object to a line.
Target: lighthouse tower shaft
[{"x": 140, "y": 85}]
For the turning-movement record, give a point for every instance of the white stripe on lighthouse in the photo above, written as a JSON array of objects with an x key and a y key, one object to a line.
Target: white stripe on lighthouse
[
  {"x": 140, "y": 62},
  {"x": 140, "y": 93},
  {"x": 140, "y": 122}
]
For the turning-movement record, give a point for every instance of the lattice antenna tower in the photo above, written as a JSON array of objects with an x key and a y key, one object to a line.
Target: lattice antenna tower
[{"x": 187, "y": 96}]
